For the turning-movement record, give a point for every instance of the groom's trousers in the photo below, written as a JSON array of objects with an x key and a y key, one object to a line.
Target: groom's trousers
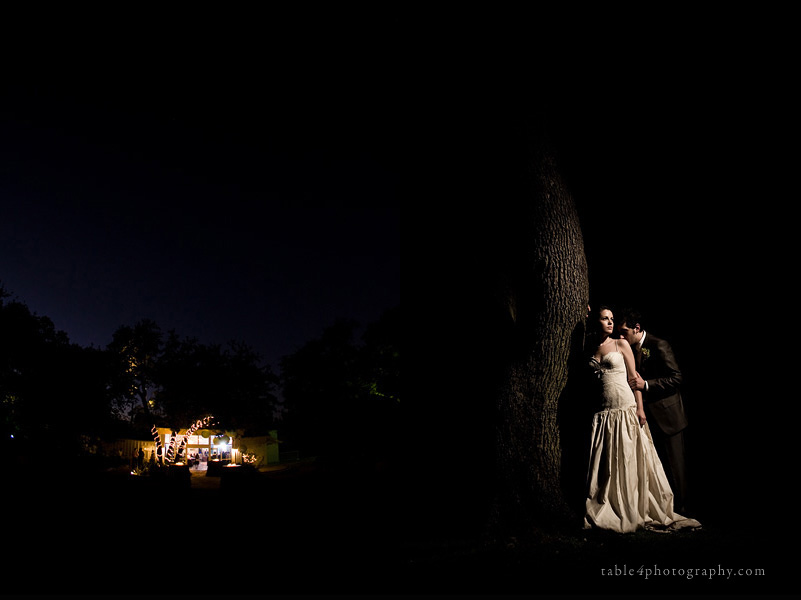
[{"x": 670, "y": 449}]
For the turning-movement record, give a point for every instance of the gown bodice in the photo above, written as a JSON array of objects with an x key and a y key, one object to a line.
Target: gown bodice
[{"x": 611, "y": 370}]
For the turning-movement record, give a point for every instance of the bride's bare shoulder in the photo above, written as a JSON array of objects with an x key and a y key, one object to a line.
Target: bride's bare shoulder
[{"x": 623, "y": 344}]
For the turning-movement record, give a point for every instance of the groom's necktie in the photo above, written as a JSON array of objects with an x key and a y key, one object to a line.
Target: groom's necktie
[{"x": 638, "y": 356}]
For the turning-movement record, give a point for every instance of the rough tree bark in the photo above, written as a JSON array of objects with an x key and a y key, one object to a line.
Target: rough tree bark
[{"x": 545, "y": 291}]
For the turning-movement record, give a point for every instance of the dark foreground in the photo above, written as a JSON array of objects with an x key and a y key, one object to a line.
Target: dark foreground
[
  {"x": 350, "y": 530},
  {"x": 303, "y": 530},
  {"x": 743, "y": 549},
  {"x": 585, "y": 564}
]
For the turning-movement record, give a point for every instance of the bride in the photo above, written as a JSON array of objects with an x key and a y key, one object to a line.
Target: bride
[{"x": 626, "y": 485}]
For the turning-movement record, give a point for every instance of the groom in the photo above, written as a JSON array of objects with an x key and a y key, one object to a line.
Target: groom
[{"x": 659, "y": 379}]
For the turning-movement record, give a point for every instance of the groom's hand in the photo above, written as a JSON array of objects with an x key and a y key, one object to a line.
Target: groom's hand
[{"x": 637, "y": 383}]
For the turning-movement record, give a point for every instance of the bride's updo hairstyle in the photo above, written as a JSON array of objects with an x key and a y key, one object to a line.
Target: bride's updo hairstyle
[{"x": 593, "y": 336}]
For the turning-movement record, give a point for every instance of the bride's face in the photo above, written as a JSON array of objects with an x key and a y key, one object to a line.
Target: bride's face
[{"x": 606, "y": 322}]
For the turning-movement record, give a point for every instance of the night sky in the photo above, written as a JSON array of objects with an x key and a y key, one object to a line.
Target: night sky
[{"x": 228, "y": 205}]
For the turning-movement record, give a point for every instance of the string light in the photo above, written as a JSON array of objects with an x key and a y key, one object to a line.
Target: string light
[
  {"x": 156, "y": 438},
  {"x": 205, "y": 421},
  {"x": 175, "y": 449}
]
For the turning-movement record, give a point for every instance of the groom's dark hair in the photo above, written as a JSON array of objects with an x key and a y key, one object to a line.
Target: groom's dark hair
[{"x": 631, "y": 318}]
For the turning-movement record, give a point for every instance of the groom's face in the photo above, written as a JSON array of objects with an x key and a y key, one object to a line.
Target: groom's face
[{"x": 630, "y": 334}]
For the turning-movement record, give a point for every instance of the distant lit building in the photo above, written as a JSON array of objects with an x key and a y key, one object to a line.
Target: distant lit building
[{"x": 257, "y": 450}]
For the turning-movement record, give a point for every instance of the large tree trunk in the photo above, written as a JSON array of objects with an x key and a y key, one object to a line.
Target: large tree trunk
[
  {"x": 544, "y": 287},
  {"x": 499, "y": 305}
]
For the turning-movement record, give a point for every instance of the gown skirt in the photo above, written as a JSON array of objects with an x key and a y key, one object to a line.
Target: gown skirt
[{"x": 627, "y": 488}]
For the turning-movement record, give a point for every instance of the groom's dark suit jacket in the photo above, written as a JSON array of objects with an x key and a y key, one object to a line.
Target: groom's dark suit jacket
[{"x": 663, "y": 398}]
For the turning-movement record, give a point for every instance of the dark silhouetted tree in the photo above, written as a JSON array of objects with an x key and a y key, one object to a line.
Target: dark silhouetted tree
[
  {"x": 251, "y": 392},
  {"x": 342, "y": 395},
  {"x": 29, "y": 360},
  {"x": 380, "y": 410},
  {"x": 52, "y": 393},
  {"x": 380, "y": 356},
  {"x": 321, "y": 387},
  {"x": 230, "y": 383},
  {"x": 136, "y": 350}
]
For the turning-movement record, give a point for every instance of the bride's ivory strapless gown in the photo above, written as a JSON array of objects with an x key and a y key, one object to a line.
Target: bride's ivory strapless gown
[{"x": 627, "y": 488}]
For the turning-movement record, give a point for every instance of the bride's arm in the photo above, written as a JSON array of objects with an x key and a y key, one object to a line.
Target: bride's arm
[{"x": 631, "y": 371}]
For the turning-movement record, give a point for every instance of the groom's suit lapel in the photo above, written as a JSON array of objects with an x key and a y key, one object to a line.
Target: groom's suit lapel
[
  {"x": 649, "y": 339},
  {"x": 638, "y": 356},
  {"x": 638, "y": 353}
]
